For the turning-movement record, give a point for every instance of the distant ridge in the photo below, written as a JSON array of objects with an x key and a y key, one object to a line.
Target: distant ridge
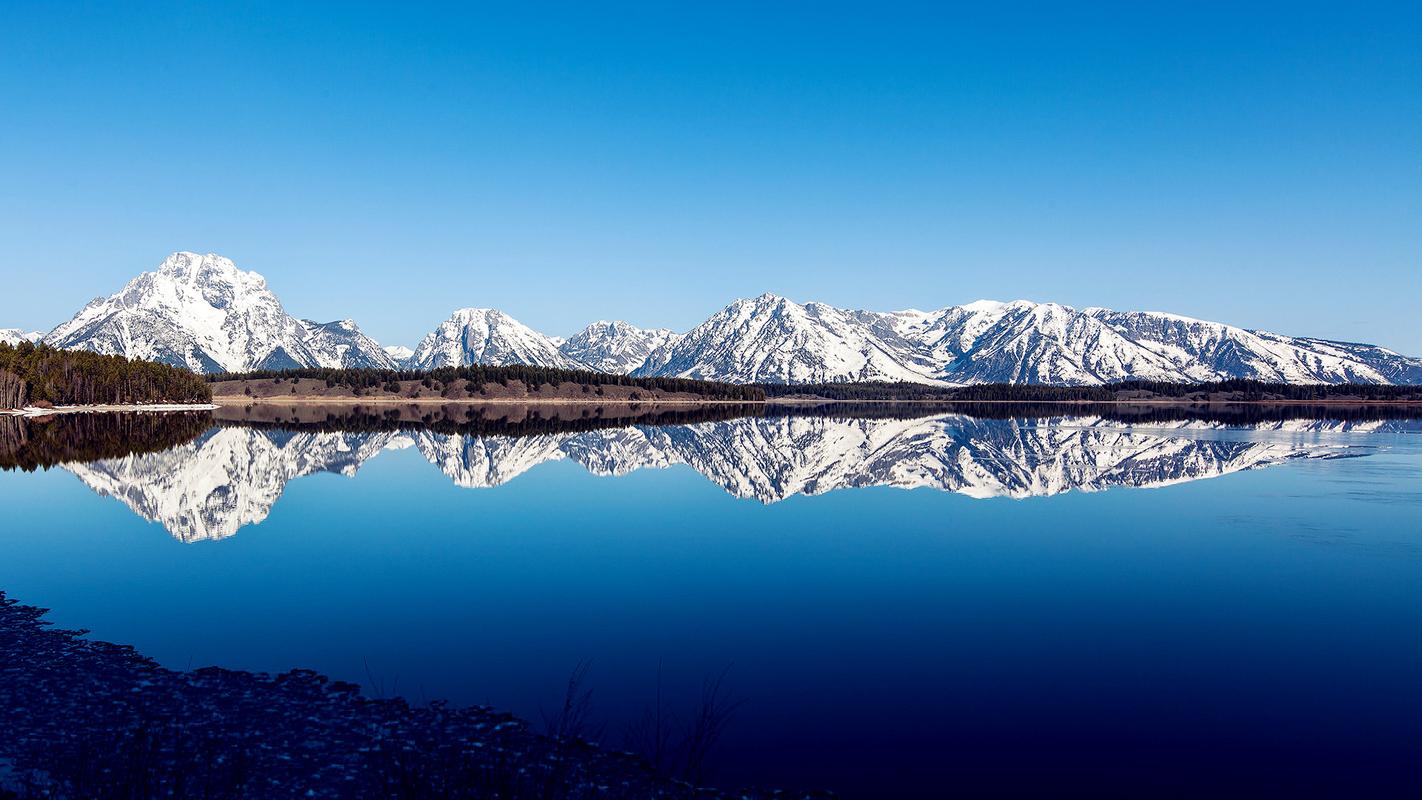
[
  {"x": 14, "y": 336},
  {"x": 201, "y": 312}
]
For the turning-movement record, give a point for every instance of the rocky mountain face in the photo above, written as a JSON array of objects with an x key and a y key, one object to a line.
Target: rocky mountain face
[
  {"x": 203, "y": 313},
  {"x": 615, "y": 347},
  {"x": 233, "y": 476},
  {"x": 486, "y": 336},
  {"x": 13, "y": 336}
]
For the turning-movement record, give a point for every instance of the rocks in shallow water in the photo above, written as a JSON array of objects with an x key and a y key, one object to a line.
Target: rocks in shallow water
[{"x": 84, "y": 718}]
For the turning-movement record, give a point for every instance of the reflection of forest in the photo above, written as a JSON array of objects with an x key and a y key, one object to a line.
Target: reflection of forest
[
  {"x": 494, "y": 419},
  {"x": 528, "y": 419},
  {"x": 30, "y": 443}
]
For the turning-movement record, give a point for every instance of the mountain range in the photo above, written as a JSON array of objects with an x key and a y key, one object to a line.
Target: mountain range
[{"x": 202, "y": 312}]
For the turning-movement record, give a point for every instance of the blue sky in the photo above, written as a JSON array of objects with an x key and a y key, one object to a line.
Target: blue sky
[{"x": 651, "y": 162}]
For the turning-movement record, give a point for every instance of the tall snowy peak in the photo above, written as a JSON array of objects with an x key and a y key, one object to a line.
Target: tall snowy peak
[
  {"x": 203, "y": 313},
  {"x": 616, "y": 347},
  {"x": 486, "y": 336}
]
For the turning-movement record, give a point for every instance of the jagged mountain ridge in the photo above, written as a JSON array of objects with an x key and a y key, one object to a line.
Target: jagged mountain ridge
[
  {"x": 232, "y": 477},
  {"x": 201, "y": 312},
  {"x": 774, "y": 340}
]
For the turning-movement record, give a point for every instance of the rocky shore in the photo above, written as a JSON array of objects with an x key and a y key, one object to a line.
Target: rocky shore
[{"x": 84, "y": 718}]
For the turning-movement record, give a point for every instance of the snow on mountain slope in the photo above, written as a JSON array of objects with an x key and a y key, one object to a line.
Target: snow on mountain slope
[
  {"x": 398, "y": 353},
  {"x": 1211, "y": 350},
  {"x": 615, "y": 347},
  {"x": 341, "y": 344},
  {"x": 771, "y": 339},
  {"x": 1025, "y": 342},
  {"x": 203, "y": 313},
  {"x": 13, "y": 336},
  {"x": 486, "y": 336}
]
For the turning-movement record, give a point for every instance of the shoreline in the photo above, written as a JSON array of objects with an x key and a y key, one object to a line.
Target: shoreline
[
  {"x": 128, "y": 722},
  {"x": 243, "y": 400},
  {"x": 310, "y": 400},
  {"x": 107, "y": 408}
]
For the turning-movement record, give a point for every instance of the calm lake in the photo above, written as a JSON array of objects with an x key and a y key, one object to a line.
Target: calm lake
[{"x": 900, "y": 600}]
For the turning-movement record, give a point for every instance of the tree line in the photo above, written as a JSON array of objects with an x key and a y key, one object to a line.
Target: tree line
[
  {"x": 476, "y": 421},
  {"x": 480, "y": 374},
  {"x": 1239, "y": 389},
  {"x": 32, "y": 374}
]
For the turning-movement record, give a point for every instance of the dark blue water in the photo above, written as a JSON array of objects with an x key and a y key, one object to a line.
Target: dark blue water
[{"x": 1065, "y": 605}]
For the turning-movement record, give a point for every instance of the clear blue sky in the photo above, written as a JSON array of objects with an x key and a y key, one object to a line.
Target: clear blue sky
[{"x": 651, "y": 162}]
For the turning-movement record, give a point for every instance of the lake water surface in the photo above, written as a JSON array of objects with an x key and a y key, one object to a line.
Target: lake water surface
[{"x": 899, "y": 600}]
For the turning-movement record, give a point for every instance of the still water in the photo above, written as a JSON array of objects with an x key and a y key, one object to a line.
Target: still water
[{"x": 900, "y": 601}]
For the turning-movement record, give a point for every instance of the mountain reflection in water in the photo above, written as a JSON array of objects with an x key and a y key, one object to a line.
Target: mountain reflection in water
[{"x": 206, "y": 478}]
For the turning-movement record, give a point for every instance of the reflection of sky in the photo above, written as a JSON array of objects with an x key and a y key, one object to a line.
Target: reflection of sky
[{"x": 1266, "y": 619}]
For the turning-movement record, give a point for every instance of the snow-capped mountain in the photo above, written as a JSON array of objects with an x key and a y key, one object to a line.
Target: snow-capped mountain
[
  {"x": 233, "y": 476},
  {"x": 203, "y": 313},
  {"x": 399, "y": 353},
  {"x": 13, "y": 336},
  {"x": 771, "y": 339},
  {"x": 341, "y": 344},
  {"x": 1024, "y": 342},
  {"x": 486, "y": 336},
  {"x": 1210, "y": 349},
  {"x": 615, "y": 347}
]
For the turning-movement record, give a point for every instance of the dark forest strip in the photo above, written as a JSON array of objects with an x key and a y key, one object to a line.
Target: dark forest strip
[{"x": 38, "y": 375}]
